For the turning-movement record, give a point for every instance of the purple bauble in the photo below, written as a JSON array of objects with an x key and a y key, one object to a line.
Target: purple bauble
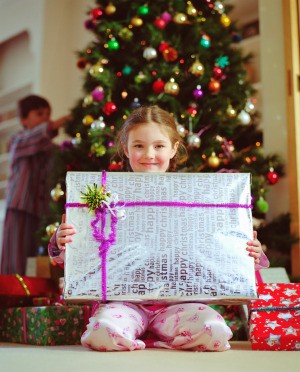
[
  {"x": 166, "y": 17},
  {"x": 197, "y": 93},
  {"x": 98, "y": 94}
]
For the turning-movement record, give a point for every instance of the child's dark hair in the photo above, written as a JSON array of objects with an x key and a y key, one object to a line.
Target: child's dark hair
[
  {"x": 145, "y": 115},
  {"x": 31, "y": 102}
]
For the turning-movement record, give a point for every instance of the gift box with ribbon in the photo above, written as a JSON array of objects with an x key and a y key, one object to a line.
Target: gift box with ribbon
[
  {"x": 275, "y": 317},
  {"x": 45, "y": 325},
  {"x": 145, "y": 237},
  {"x": 17, "y": 290}
]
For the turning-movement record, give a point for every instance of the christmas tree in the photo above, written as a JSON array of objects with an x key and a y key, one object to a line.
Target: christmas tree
[{"x": 183, "y": 56}]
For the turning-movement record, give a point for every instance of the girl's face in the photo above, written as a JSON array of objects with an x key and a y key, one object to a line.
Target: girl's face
[{"x": 149, "y": 149}]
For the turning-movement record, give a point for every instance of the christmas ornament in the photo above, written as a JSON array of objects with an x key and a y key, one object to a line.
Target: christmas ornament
[
  {"x": 125, "y": 34},
  {"x": 110, "y": 9},
  {"x": 50, "y": 229},
  {"x": 117, "y": 167},
  {"x": 180, "y": 130},
  {"x": 171, "y": 87},
  {"x": 198, "y": 92},
  {"x": 213, "y": 161},
  {"x": 143, "y": 10},
  {"x": 166, "y": 17},
  {"x": 140, "y": 77},
  {"x": 244, "y": 117},
  {"x": 170, "y": 54},
  {"x": 191, "y": 10},
  {"x": 98, "y": 124},
  {"x": 192, "y": 110},
  {"x": 149, "y": 53},
  {"x": 197, "y": 68},
  {"x": 193, "y": 141},
  {"x": 87, "y": 120},
  {"x": 219, "y": 7},
  {"x": 88, "y": 100},
  {"x": 135, "y": 103},
  {"x": 96, "y": 70},
  {"x": 127, "y": 70},
  {"x": 109, "y": 108},
  {"x": 231, "y": 111},
  {"x": 57, "y": 192},
  {"x": 113, "y": 44},
  {"x": 98, "y": 94},
  {"x": 162, "y": 46},
  {"x": 214, "y": 86},
  {"x": 98, "y": 149},
  {"x": 262, "y": 205},
  {"x": 180, "y": 18},
  {"x": 218, "y": 72},
  {"x": 77, "y": 140},
  {"x": 222, "y": 61},
  {"x": 96, "y": 13},
  {"x": 272, "y": 177},
  {"x": 158, "y": 86},
  {"x": 82, "y": 62},
  {"x": 160, "y": 23},
  {"x": 136, "y": 21},
  {"x": 249, "y": 106},
  {"x": 225, "y": 20},
  {"x": 205, "y": 41}
]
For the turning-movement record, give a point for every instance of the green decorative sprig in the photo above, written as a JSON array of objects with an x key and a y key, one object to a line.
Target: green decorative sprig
[{"x": 94, "y": 197}]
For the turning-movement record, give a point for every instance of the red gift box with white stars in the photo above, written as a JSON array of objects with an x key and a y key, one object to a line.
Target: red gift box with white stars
[{"x": 275, "y": 317}]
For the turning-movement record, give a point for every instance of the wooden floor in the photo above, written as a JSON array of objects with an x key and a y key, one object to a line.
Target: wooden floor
[{"x": 25, "y": 358}]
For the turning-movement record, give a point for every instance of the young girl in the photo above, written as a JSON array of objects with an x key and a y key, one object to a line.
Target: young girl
[{"x": 149, "y": 142}]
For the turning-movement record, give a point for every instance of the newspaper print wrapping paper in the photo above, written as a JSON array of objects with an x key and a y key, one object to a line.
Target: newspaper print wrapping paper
[{"x": 194, "y": 250}]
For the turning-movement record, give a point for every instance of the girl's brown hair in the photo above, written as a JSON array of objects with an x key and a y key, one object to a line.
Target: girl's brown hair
[{"x": 145, "y": 115}]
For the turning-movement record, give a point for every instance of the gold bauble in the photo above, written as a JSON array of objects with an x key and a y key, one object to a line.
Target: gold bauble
[
  {"x": 225, "y": 20},
  {"x": 110, "y": 9},
  {"x": 87, "y": 120},
  {"x": 50, "y": 229},
  {"x": 213, "y": 161},
  {"x": 180, "y": 18},
  {"x": 136, "y": 21},
  {"x": 197, "y": 68},
  {"x": 171, "y": 87},
  {"x": 57, "y": 192},
  {"x": 191, "y": 10},
  {"x": 231, "y": 111},
  {"x": 96, "y": 70},
  {"x": 88, "y": 100}
]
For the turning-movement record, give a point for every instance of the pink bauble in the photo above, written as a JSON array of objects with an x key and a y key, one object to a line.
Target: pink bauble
[{"x": 98, "y": 94}]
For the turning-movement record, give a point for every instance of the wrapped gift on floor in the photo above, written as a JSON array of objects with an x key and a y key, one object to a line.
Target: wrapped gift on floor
[
  {"x": 183, "y": 237},
  {"x": 46, "y": 325},
  {"x": 275, "y": 317},
  {"x": 17, "y": 290}
]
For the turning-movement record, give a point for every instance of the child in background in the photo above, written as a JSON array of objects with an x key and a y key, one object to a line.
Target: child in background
[
  {"x": 149, "y": 142},
  {"x": 28, "y": 194}
]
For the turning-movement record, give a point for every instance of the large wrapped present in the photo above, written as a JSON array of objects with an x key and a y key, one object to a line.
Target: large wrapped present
[
  {"x": 45, "y": 325},
  {"x": 159, "y": 236},
  {"x": 275, "y": 317},
  {"x": 17, "y": 290}
]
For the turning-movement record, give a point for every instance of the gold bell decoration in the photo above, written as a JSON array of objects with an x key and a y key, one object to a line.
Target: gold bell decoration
[
  {"x": 197, "y": 68},
  {"x": 171, "y": 87},
  {"x": 50, "y": 229},
  {"x": 57, "y": 192},
  {"x": 213, "y": 161},
  {"x": 180, "y": 18}
]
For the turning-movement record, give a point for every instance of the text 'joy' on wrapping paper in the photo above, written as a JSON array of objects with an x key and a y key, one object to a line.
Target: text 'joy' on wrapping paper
[{"x": 167, "y": 237}]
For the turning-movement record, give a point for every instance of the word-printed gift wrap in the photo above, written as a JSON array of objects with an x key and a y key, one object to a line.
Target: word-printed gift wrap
[{"x": 167, "y": 237}]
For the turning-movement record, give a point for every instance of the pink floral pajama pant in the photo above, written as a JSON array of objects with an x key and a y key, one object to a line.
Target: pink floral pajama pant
[{"x": 185, "y": 326}]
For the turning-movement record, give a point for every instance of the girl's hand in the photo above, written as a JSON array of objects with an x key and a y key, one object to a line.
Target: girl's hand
[
  {"x": 63, "y": 234},
  {"x": 254, "y": 248}
]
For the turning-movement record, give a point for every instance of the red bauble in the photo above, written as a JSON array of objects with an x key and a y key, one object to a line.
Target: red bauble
[
  {"x": 82, "y": 62},
  {"x": 96, "y": 13},
  {"x": 272, "y": 177},
  {"x": 109, "y": 108},
  {"x": 218, "y": 72},
  {"x": 192, "y": 110},
  {"x": 115, "y": 167},
  {"x": 170, "y": 54},
  {"x": 159, "y": 23},
  {"x": 158, "y": 86},
  {"x": 214, "y": 86},
  {"x": 163, "y": 45}
]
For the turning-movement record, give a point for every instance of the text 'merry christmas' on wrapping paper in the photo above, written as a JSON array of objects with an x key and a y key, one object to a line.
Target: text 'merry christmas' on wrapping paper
[{"x": 183, "y": 239}]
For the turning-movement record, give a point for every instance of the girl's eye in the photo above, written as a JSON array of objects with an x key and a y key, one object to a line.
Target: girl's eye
[
  {"x": 138, "y": 146},
  {"x": 160, "y": 146}
]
